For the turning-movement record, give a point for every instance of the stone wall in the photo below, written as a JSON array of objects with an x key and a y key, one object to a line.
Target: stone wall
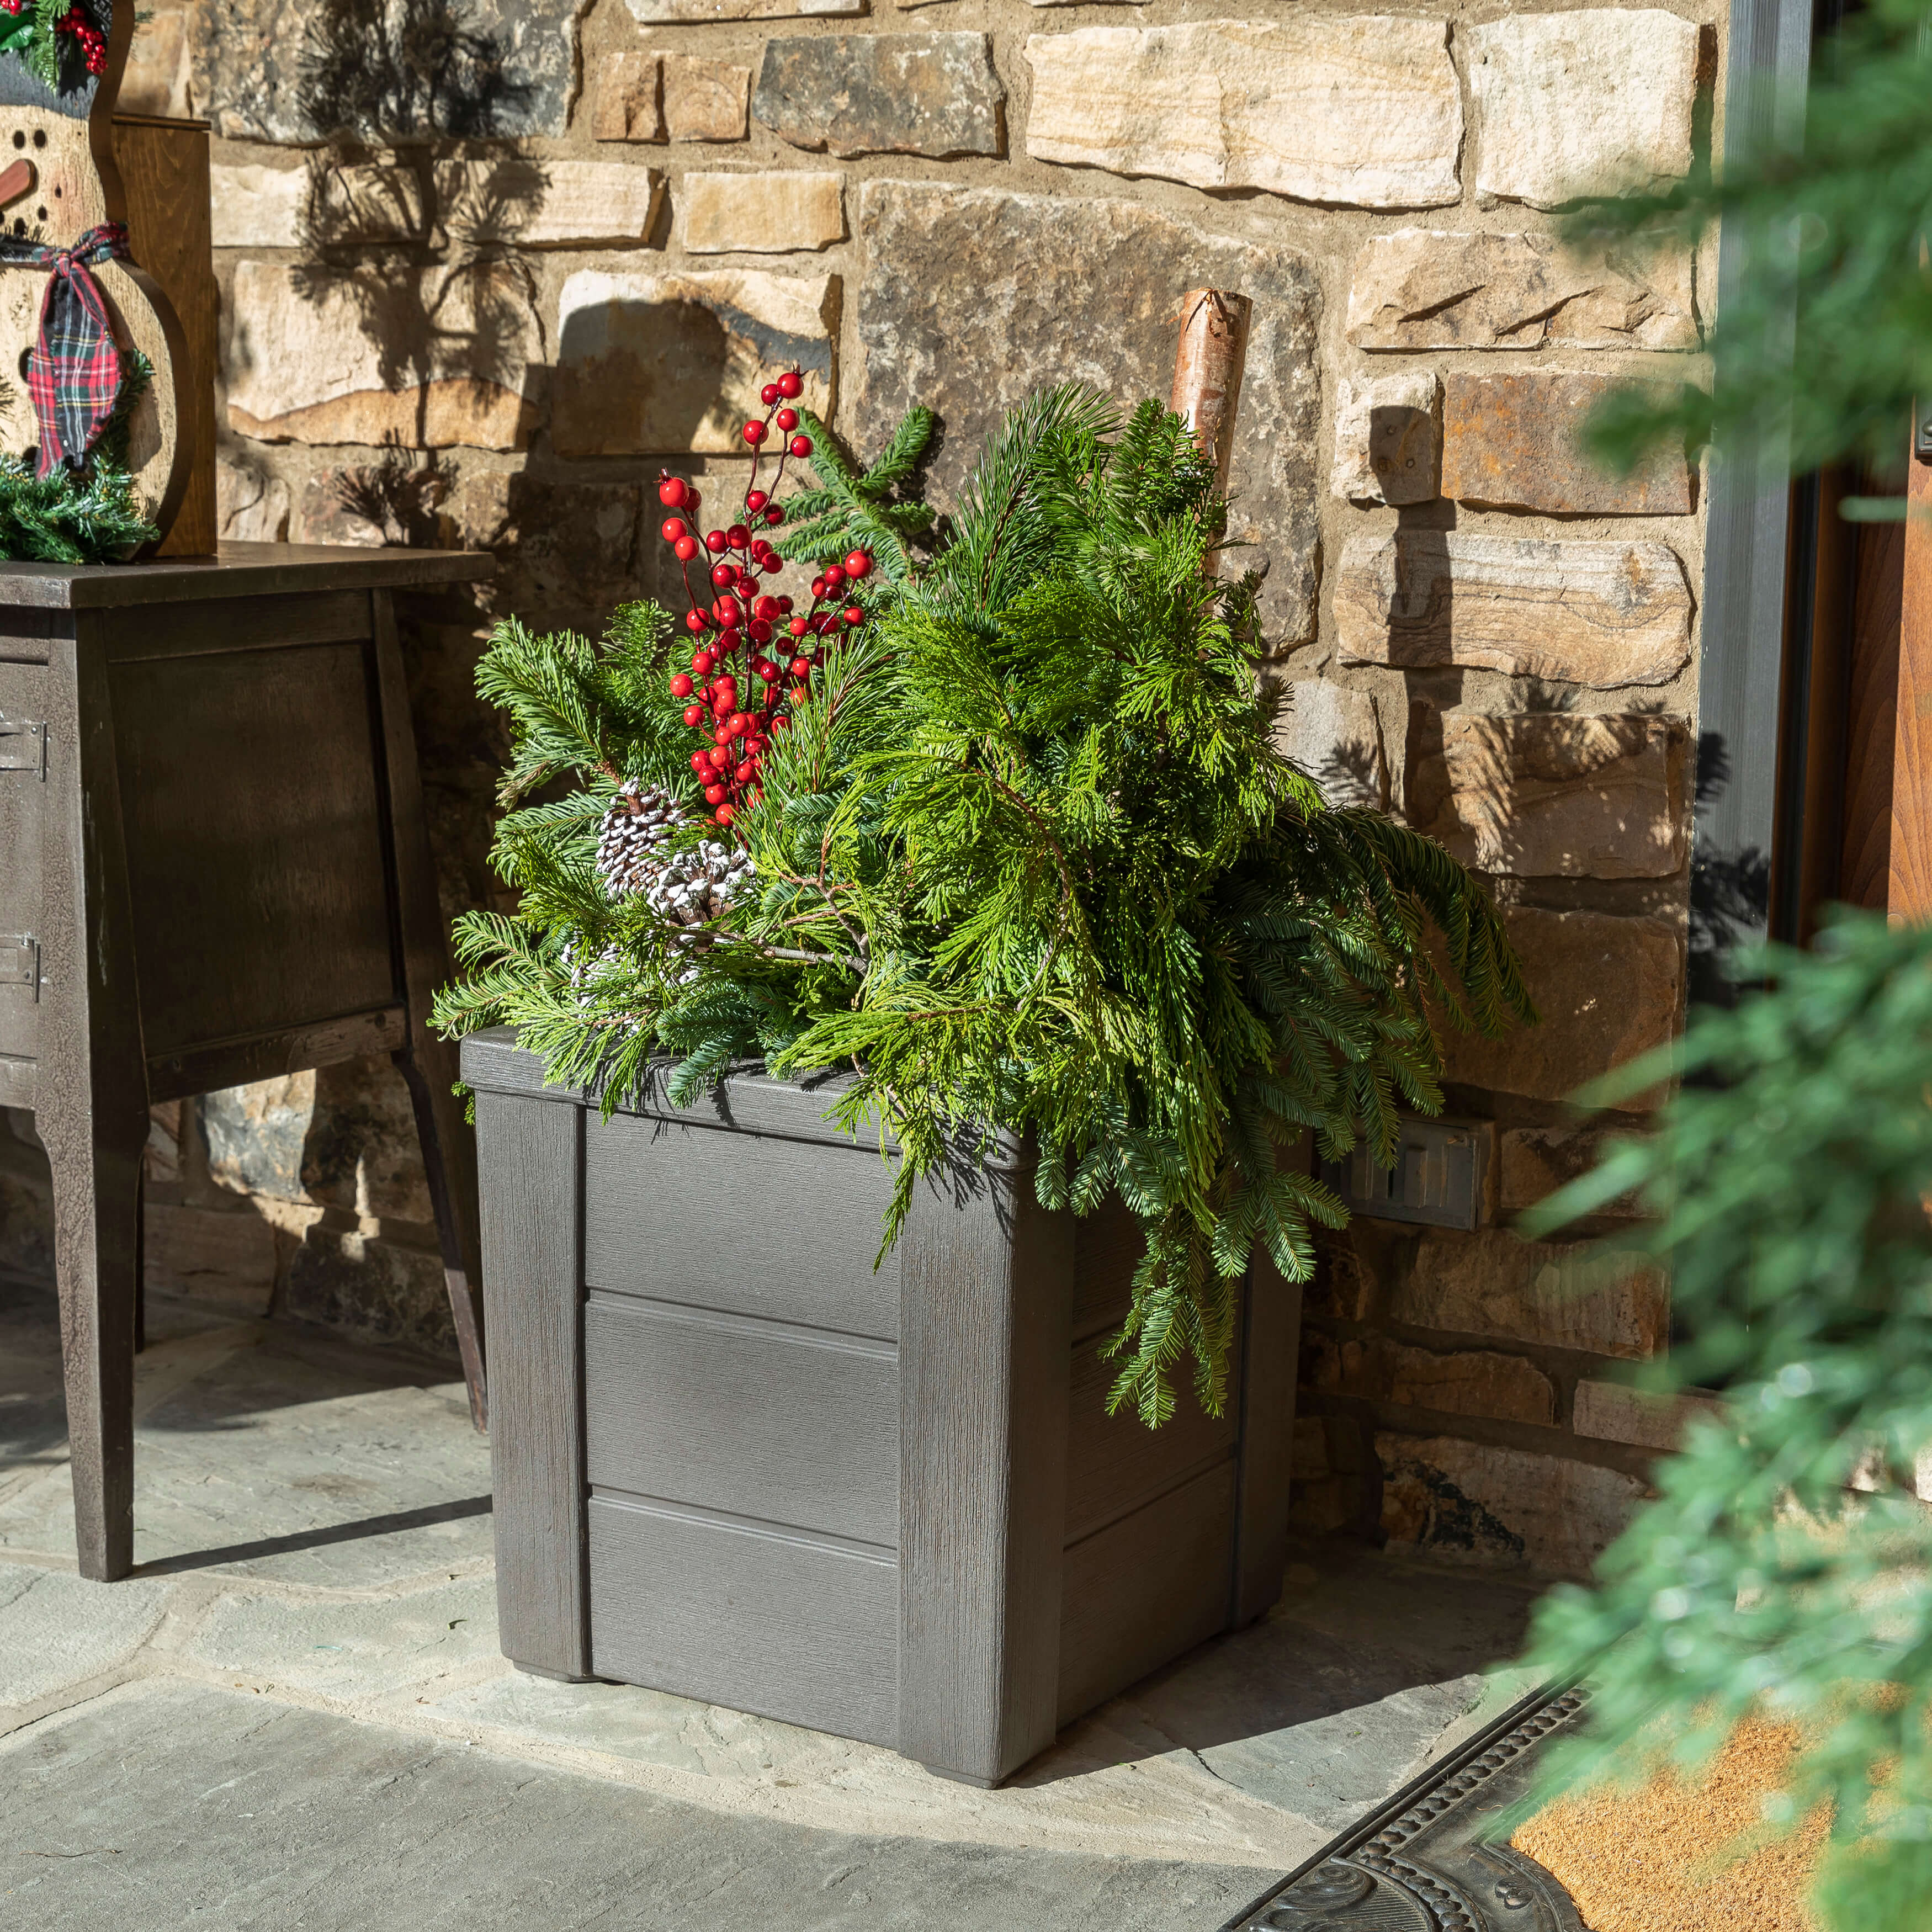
[{"x": 485, "y": 263}]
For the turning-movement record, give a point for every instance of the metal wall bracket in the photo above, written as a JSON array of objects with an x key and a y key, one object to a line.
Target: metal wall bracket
[
  {"x": 1441, "y": 1178},
  {"x": 23, "y": 745},
  {"x": 20, "y": 961},
  {"x": 1921, "y": 435}
]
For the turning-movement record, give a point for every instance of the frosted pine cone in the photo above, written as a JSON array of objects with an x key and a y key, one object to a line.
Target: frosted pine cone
[
  {"x": 691, "y": 888},
  {"x": 628, "y": 839},
  {"x": 698, "y": 885}
]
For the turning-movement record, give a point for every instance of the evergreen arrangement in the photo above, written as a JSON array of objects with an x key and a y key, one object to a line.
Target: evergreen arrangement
[
  {"x": 91, "y": 515},
  {"x": 1789, "y": 1179},
  {"x": 1006, "y": 839}
]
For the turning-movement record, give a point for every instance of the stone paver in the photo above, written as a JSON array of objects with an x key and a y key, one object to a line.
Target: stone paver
[
  {"x": 297, "y": 1712},
  {"x": 298, "y": 1817},
  {"x": 60, "y": 1630}
]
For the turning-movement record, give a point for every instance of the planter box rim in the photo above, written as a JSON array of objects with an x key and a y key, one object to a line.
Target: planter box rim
[{"x": 749, "y": 1100}]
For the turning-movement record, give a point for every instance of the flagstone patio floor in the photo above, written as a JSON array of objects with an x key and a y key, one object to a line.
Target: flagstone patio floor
[{"x": 295, "y": 1714}]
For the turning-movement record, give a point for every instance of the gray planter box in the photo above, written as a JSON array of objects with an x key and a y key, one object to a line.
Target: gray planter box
[{"x": 733, "y": 1462}]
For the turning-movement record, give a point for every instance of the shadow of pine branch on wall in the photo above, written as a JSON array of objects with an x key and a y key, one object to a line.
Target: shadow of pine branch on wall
[{"x": 385, "y": 69}]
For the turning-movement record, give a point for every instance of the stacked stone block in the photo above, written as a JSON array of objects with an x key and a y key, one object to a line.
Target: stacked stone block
[{"x": 480, "y": 298}]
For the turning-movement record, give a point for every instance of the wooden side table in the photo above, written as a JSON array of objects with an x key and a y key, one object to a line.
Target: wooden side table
[{"x": 214, "y": 868}]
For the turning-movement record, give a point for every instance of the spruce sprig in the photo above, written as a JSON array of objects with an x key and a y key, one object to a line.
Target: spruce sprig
[{"x": 849, "y": 508}]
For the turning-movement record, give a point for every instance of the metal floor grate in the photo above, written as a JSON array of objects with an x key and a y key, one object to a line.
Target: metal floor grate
[{"x": 1423, "y": 1862}]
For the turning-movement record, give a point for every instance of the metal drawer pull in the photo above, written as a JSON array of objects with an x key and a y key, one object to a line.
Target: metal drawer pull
[
  {"x": 23, "y": 745},
  {"x": 20, "y": 961}
]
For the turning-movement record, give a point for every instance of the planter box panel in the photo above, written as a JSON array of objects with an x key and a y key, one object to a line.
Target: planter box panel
[
  {"x": 788, "y": 1627},
  {"x": 1145, "y": 1589},
  {"x": 1114, "y": 1463},
  {"x": 1108, "y": 1245},
  {"x": 792, "y": 1426},
  {"x": 664, "y": 1204}
]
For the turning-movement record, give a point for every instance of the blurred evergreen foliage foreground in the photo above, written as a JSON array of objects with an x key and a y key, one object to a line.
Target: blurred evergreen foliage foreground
[
  {"x": 1789, "y": 1178},
  {"x": 1828, "y": 331}
]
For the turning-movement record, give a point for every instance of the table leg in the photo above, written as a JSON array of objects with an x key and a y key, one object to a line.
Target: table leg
[
  {"x": 97, "y": 1248},
  {"x": 91, "y": 1103},
  {"x": 430, "y": 1067}
]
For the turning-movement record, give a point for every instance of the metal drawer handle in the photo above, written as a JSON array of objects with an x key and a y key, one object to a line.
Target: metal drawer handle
[
  {"x": 23, "y": 745},
  {"x": 20, "y": 961}
]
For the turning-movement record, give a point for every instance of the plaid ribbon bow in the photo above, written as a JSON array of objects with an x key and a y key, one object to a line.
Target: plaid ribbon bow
[{"x": 73, "y": 374}]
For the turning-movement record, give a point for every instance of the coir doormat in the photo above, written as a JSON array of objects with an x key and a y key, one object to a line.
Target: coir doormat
[{"x": 1430, "y": 1859}]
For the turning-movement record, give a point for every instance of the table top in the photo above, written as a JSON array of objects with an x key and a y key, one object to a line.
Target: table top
[{"x": 237, "y": 570}]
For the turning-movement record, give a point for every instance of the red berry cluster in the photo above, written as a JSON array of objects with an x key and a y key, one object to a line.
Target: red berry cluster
[
  {"x": 739, "y": 716},
  {"x": 93, "y": 42}
]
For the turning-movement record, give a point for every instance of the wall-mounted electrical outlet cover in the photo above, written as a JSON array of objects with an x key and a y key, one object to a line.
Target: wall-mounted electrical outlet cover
[{"x": 1440, "y": 1179}]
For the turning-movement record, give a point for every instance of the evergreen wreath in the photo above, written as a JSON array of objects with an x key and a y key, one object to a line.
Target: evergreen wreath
[
  {"x": 92, "y": 514},
  {"x": 1022, "y": 850}
]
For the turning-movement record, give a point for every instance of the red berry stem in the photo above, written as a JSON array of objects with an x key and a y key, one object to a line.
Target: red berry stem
[{"x": 744, "y": 619}]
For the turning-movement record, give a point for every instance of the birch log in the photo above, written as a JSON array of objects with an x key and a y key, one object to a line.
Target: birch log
[{"x": 1207, "y": 370}]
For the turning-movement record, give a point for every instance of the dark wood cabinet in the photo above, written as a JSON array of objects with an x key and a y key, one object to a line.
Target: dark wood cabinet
[{"x": 214, "y": 868}]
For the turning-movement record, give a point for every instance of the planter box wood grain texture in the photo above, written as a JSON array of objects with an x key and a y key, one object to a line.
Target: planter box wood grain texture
[{"x": 734, "y": 1461}]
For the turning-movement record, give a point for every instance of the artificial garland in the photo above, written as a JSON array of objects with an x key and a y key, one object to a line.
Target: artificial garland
[
  {"x": 1005, "y": 834},
  {"x": 42, "y": 29}
]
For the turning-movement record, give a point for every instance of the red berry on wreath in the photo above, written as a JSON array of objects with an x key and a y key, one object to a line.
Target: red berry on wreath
[
  {"x": 854, "y": 615},
  {"x": 719, "y": 758},
  {"x": 800, "y": 445},
  {"x": 723, "y": 575},
  {"x": 768, "y": 394},
  {"x": 787, "y": 419},
  {"x": 754, "y": 434},
  {"x": 737, "y": 536},
  {"x": 818, "y": 587},
  {"x": 801, "y": 668},
  {"x": 767, "y": 670},
  {"x": 745, "y": 772},
  {"x": 714, "y": 794},
  {"x": 680, "y": 685},
  {"x": 785, "y": 607},
  {"x": 782, "y": 722},
  {"x": 859, "y": 564},
  {"x": 725, "y": 814},
  {"x": 675, "y": 527},
  {"x": 799, "y": 626},
  {"x": 701, "y": 762},
  {"x": 755, "y": 500},
  {"x": 774, "y": 515},
  {"x": 693, "y": 714},
  {"x": 766, "y": 608},
  {"x": 791, "y": 383},
  {"x": 834, "y": 577},
  {"x": 672, "y": 490},
  {"x": 684, "y": 549},
  {"x": 714, "y": 541},
  {"x": 696, "y": 620}
]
